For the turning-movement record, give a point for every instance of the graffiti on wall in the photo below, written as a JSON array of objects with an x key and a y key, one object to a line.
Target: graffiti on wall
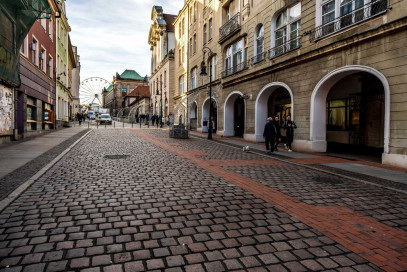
[{"x": 6, "y": 110}]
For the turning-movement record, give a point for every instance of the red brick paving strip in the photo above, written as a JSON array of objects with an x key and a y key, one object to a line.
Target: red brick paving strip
[{"x": 382, "y": 245}]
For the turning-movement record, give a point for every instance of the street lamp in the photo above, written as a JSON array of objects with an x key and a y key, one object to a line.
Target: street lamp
[{"x": 203, "y": 73}]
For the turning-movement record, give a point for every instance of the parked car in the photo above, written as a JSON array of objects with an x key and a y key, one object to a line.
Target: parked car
[{"x": 105, "y": 119}]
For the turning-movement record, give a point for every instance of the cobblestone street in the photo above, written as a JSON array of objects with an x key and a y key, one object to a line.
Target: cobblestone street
[{"x": 136, "y": 200}]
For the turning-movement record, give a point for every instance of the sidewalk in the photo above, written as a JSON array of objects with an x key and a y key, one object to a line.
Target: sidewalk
[
  {"x": 20, "y": 160},
  {"x": 373, "y": 172}
]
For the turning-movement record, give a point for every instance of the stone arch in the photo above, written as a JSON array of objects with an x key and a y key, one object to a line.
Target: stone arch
[
  {"x": 228, "y": 113},
  {"x": 318, "y": 104},
  {"x": 262, "y": 107},
  {"x": 205, "y": 113}
]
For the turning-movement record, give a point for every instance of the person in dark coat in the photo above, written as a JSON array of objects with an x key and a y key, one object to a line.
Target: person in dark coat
[
  {"x": 289, "y": 127},
  {"x": 269, "y": 134},
  {"x": 153, "y": 119},
  {"x": 277, "y": 129}
]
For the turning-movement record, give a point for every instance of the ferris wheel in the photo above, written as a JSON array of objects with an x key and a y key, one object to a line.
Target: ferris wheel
[{"x": 91, "y": 89}]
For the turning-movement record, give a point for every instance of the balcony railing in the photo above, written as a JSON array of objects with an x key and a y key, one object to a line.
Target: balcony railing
[
  {"x": 258, "y": 57},
  {"x": 229, "y": 27},
  {"x": 285, "y": 47},
  {"x": 358, "y": 15},
  {"x": 235, "y": 69}
]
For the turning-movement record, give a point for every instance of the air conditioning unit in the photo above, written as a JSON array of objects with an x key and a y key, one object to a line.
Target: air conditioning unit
[
  {"x": 42, "y": 56},
  {"x": 49, "y": 63},
  {"x": 33, "y": 46}
]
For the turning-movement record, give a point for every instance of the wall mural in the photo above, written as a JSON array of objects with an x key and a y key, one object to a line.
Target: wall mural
[{"x": 6, "y": 111}]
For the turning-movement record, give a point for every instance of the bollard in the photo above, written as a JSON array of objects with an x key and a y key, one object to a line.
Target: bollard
[
  {"x": 148, "y": 124},
  {"x": 140, "y": 124},
  {"x": 114, "y": 124},
  {"x": 105, "y": 125},
  {"x": 97, "y": 125},
  {"x": 88, "y": 124},
  {"x": 123, "y": 124},
  {"x": 132, "y": 124}
]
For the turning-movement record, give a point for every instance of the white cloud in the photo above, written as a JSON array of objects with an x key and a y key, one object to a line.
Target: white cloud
[{"x": 112, "y": 35}]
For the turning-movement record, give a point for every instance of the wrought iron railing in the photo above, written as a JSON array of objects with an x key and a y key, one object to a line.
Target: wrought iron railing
[
  {"x": 237, "y": 68},
  {"x": 258, "y": 57},
  {"x": 285, "y": 47},
  {"x": 229, "y": 27},
  {"x": 358, "y": 15}
]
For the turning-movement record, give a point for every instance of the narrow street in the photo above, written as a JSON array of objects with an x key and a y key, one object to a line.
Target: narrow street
[{"x": 135, "y": 200}]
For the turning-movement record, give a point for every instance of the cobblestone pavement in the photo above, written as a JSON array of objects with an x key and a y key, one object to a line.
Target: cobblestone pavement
[
  {"x": 14, "y": 179},
  {"x": 160, "y": 204}
]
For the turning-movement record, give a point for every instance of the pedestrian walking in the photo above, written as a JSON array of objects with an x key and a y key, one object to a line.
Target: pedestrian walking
[
  {"x": 289, "y": 127},
  {"x": 212, "y": 125},
  {"x": 153, "y": 119},
  {"x": 277, "y": 129},
  {"x": 269, "y": 134},
  {"x": 80, "y": 118}
]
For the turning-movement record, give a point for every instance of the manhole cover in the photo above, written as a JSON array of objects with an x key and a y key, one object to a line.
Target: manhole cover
[
  {"x": 115, "y": 157},
  {"x": 328, "y": 180}
]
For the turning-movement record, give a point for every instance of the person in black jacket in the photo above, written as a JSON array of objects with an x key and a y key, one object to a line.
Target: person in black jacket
[
  {"x": 289, "y": 127},
  {"x": 277, "y": 130},
  {"x": 269, "y": 134}
]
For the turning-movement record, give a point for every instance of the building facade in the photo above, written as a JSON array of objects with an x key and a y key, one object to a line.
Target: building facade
[
  {"x": 64, "y": 96},
  {"x": 337, "y": 67},
  {"x": 123, "y": 84},
  {"x": 36, "y": 94},
  {"x": 16, "y": 19},
  {"x": 74, "y": 68},
  {"x": 162, "y": 44}
]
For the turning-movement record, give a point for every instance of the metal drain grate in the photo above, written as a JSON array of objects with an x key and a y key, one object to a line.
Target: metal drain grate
[
  {"x": 328, "y": 180},
  {"x": 115, "y": 157}
]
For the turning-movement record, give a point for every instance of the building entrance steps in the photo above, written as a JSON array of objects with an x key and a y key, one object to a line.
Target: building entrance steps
[{"x": 370, "y": 171}]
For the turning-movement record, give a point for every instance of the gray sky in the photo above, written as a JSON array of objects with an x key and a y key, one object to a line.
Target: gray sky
[{"x": 112, "y": 35}]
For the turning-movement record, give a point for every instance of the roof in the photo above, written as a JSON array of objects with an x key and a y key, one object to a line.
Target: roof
[
  {"x": 131, "y": 74},
  {"x": 140, "y": 91},
  {"x": 109, "y": 88},
  {"x": 169, "y": 19}
]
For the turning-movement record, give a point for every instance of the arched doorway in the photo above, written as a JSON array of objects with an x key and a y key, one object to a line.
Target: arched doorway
[
  {"x": 205, "y": 115},
  {"x": 274, "y": 99},
  {"x": 350, "y": 111},
  {"x": 193, "y": 116},
  {"x": 234, "y": 119}
]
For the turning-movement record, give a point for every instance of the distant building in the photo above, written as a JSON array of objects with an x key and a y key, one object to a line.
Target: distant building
[
  {"x": 113, "y": 97},
  {"x": 138, "y": 101}
]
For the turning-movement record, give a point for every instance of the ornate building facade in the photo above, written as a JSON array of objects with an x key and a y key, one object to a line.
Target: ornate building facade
[
  {"x": 162, "y": 44},
  {"x": 337, "y": 67}
]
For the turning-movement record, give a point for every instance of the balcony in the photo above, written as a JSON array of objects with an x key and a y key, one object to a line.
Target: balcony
[
  {"x": 259, "y": 57},
  {"x": 354, "y": 17},
  {"x": 229, "y": 28},
  {"x": 235, "y": 69},
  {"x": 285, "y": 47}
]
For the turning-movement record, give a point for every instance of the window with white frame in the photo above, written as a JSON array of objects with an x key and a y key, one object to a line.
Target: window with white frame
[
  {"x": 236, "y": 57},
  {"x": 259, "y": 43},
  {"x": 50, "y": 65},
  {"x": 212, "y": 66},
  {"x": 34, "y": 51},
  {"x": 190, "y": 46},
  {"x": 43, "y": 56},
  {"x": 194, "y": 78},
  {"x": 50, "y": 29},
  {"x": 181, "y": 84},
  {"x": 333, "y": 15},
  {"x": 44, "y": 23},
  {"x": 210, "y": 29},
  {"x": 204, "y": 34},
  {"x": 287, "y": 30},
  {"x": 194, "y": 43}
]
